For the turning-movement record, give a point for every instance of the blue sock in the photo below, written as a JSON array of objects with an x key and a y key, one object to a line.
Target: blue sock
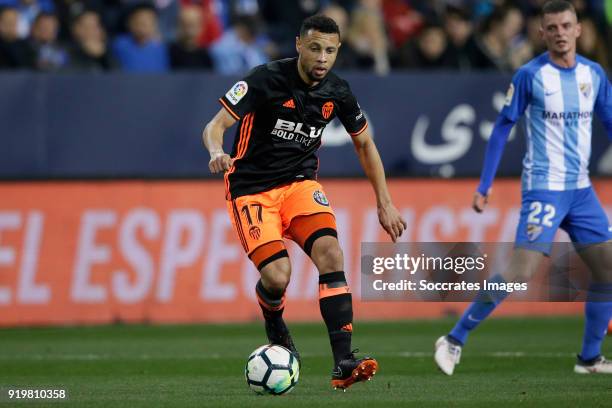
[
  {"x": 481, "y": 307},
  {"x": 597, "y": 314}
]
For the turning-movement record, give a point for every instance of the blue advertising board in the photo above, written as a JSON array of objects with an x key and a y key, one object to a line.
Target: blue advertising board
[{"x": 148, "y": 126}]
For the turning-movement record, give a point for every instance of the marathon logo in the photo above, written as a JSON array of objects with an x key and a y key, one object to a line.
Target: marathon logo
[
  {"x": 285, "y": 129},
  {"x": 567, "y": 115}
]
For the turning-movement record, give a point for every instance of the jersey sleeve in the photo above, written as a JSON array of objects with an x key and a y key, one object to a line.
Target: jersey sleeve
[
  {"x": 350, "y": 114},
  {"x": 603, "y": 103},
  {"x": 495, "y": 148},
  {"x": 247, "y": 94},
  {"x": 518, "y": 96}
]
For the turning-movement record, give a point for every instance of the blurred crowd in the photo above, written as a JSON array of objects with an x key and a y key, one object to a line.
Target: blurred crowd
[{"x": 232, "y": 36}]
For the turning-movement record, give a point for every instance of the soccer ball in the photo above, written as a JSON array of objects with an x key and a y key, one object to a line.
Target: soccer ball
[{"x": 272, "y": 369}]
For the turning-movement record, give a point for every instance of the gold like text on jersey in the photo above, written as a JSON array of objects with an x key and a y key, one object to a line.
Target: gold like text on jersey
[{"x": 288, "y": 130}]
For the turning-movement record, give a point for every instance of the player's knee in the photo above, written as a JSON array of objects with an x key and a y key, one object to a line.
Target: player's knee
[
  {"x": 327, "y": 255},
  {"x": 523, "y": 274},
  {"x": 276, "y": 276},
  {"x": 277, "y": 283},
  {"x": 524, "y": 265}
]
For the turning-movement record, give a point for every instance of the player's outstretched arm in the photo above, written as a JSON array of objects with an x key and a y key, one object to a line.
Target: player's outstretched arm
[
  {"x": 388, "y": 216},
  {"x": 517, "y": 98},
  {"x": 495, "y": 149},
  {"x": 213, "y": 140}
]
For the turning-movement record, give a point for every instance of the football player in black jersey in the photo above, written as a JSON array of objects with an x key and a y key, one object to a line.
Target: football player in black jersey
[{"x": 271, "y": 182}]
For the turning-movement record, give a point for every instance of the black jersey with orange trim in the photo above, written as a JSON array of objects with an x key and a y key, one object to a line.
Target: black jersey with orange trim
[{"x": 281, "y": 120}]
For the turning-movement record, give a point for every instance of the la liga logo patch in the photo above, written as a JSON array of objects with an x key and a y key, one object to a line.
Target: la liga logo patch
[
  {"x": 237, "y": 92},
  {"x": 320, "y": 198}
]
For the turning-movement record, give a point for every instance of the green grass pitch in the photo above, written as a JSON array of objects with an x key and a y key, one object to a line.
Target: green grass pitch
[{"x": 508, "y": 362}]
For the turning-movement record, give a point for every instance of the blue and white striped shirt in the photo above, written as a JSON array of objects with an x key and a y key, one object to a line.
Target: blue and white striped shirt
[{"x": 558, "y": 104}]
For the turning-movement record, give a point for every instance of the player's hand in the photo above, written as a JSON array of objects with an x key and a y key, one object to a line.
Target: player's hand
[
  {"x": 479, "y": 203},
  {"x": 391, "y": 221},
  {"x": 219, "y": 162}
]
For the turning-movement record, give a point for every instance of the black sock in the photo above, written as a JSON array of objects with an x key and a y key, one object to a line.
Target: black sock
[
  {"x": 272, "y": 304},
  {"x": 336, "y": 305}
]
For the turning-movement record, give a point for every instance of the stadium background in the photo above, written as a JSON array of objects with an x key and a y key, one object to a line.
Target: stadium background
[{"x": 108, "y": 213}]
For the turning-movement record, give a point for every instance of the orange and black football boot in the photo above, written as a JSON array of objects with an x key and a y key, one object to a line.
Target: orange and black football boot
[{"x": 351, "y": 370}]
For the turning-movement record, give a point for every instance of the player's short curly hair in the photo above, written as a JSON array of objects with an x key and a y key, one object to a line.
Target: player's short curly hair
[
  {"x": 320, "y": 23},
  {"x": 557, "y": 6}
]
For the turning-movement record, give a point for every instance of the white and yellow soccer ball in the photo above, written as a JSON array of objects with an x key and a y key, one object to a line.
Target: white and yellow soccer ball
[{"x": 272, "y": 369}]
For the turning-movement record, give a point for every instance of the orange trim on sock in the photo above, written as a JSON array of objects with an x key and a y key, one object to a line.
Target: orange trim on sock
[
  {"x": 268, "y": 307},
  {"x": 326, "y": 291}
]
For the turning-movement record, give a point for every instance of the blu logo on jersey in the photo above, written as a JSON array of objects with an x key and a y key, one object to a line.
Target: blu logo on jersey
[
  {"x": 290, "y": 126},
  {"x": 289, "y": 130}
]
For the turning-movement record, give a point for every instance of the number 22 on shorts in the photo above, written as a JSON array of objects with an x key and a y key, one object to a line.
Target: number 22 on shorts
[{"x": 541, "y": 214}]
